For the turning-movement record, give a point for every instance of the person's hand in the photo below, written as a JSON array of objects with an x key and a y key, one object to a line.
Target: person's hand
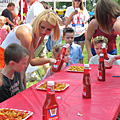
[
  {"x": 75, "y": 12},
  {"x": 66, "y": 58},
  {"x": 52, "y": 61},
  {"x": 109, "y": 63}
]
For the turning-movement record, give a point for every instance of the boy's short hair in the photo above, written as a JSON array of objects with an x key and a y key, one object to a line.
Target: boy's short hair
[
  {"x": 68, "y": 30},
  {"x": 14, "y": 52},
  {"x": 100, "y": 39},
  {"x": 10, "y": 4}
]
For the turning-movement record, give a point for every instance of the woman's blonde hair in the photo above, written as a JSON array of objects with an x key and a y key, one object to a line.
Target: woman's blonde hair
[
  {"x": 100, "y": 39},
  {"x": 81, "y": 6},
  {"x": 105, "y": 11},
  {"x": 46, "y": 16}
]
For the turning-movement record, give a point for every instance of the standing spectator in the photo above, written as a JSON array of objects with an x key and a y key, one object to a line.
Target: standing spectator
[
  {"x": 7, "y": 13},
  {"x": 76, "y": 55},
  {"x": 4, "y": 29},
  {"x": 34, "y": 9},
  {"x": 77, "y": 16}
]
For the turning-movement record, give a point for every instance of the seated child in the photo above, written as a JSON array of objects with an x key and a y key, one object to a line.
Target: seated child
[
  {"x": 16, "y": 59},
  {"x": 97, "y": 42},
  {"x": 76, "y": 55},
  {"x": 56, "y": 49}
]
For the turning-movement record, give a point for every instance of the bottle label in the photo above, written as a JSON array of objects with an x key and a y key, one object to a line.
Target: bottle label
[
  {"x": 50, "y": 90},
  {"x": 55, "y": 66},
  {"x": 100, "y": 74},
  {"x": 84, "y": 90},
  {"x": 52, "y": 114}
]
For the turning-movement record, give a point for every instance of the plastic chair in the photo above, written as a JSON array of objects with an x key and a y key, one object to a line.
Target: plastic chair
[{"x": 31, "y": 69}]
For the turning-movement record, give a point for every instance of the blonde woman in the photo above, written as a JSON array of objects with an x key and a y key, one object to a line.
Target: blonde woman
[
  {"x": 32, "y": 35},
  {"x": 76, "y": 17}
]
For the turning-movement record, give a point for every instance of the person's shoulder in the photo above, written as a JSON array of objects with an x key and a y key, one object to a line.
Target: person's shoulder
[
  {"x": 94, "y": 23},
  {"x": 37, "y": 4},
  {"x": 24, "y": 29},
  {"x": 94, "y": 59},
  {"x": 4, "y": 80},
  {"x": 70, "y": 7},
  {"x": 76, "y": 45},
  {"x": 85, "y": 8}
]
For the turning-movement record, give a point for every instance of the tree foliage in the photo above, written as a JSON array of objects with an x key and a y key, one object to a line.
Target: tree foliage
[{"x": 90, "y": 4}]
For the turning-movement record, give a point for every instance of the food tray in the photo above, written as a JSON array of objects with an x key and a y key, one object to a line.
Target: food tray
[
  {"x": 75, "y": 69},
  {"x": 29, "y": 113},
  {"x": 57, "y": 87}
]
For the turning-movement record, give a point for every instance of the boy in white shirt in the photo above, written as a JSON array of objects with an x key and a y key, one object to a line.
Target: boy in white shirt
[{"x": 97, "y": 42}]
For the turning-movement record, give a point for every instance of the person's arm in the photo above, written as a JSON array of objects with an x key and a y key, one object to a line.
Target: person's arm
[
  {"x": 7, "y": 20},
  {"x": 69, "y": 19},
  {"x": 116, "y": 26},
  {"x": 0, "y": 78},
  {"x": 81, "y": 61},
  {"x": 92, "y": 27},
  {"x": 8, "y": 29},
  {"x": 24, "y": 35}
]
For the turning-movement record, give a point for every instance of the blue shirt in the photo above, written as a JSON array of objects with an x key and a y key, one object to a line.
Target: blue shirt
[{"x": 75, "y": 54}]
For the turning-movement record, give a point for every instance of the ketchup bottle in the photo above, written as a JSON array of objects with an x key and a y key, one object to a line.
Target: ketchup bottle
[
  {"x": 59, "y": 63},
  {"x": 86, "y": 82},
  {"x": 101, "y": 68},
  {"x": 104, "y": 51},
  {"x": 50, "y": 107}
]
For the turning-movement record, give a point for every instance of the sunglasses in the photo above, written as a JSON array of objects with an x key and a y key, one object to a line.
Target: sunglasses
[{"x": 77, "y": 0}]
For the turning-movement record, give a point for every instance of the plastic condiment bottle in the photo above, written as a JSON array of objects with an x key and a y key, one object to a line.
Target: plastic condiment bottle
[
  {"x": 86, "y": 82},
  {"x": 101, "y": 68},
  {"x": 50, "y": 107},
  {"x": 104, "y": 51},
  {"x": 59, "y": 63}
]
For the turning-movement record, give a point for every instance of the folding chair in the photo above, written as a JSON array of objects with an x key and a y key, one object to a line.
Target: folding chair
[{"x": 31, "y": 69}]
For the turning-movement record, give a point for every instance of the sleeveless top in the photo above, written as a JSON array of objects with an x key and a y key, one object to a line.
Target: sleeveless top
[
  {"x": 3, "y": 34},
  {"x": 11, "y": 37},
  {"x": 111, "y": 39}
]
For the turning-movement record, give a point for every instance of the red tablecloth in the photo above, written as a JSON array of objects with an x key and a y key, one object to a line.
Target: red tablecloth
[{"x": 104, "y": 104}]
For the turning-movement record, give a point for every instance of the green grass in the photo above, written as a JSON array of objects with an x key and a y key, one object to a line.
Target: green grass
[{"x": 85, "y": 61}]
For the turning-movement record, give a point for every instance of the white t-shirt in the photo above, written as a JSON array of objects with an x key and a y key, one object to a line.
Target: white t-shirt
[
  {"x": 78, "y": 21},
  {"x": 35, "y": 9},
  {"x": 95, "y": 60}
]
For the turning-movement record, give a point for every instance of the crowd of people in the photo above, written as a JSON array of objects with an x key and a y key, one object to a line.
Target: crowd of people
[{"x": 24, "y": 42}]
